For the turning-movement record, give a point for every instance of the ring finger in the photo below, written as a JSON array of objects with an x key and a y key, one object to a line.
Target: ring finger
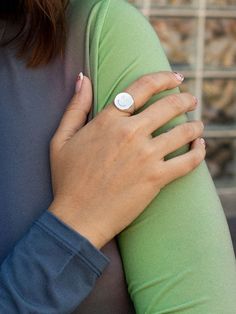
[{"x": 177, "y": 137}]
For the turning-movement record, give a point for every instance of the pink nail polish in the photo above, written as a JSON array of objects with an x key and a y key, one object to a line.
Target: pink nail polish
[
  {"x": 79, "y": 82},
  {"x": 203, "y": 141},
  {"x": 196, "y": 100},
  {"x": 179, "y": 76}
]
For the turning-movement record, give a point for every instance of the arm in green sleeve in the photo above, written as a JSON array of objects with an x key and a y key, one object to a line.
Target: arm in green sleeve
[{"x": 177, "y": 255}]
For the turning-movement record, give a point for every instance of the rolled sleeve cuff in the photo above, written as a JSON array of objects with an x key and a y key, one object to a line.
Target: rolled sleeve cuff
[{"x": 73, "y": 241}]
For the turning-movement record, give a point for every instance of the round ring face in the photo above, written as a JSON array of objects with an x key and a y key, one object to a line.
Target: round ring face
[{"x": 123, "y": 101}]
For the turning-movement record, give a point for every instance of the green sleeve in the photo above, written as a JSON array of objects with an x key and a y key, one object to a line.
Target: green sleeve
[{"x": 177, "y": 255}]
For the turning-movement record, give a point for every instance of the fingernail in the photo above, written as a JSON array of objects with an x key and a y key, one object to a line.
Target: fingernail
[
  {"x": 203, "y": 141},
  {"x": 79, "y": 82},
  {"x": 196, "y": 100},
  {"x": 179, "y": 76}
]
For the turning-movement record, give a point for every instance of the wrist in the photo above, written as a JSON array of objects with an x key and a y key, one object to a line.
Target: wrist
[{"x": 71, "y": 216}]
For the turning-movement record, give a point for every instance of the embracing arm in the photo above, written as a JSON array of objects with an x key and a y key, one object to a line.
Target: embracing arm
[
  {"x": 50, "y": 270},
  {"x": 177, "y": 255}
]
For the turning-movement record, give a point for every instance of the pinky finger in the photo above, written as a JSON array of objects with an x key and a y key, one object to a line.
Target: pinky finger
[{"x": 181, "y": 165}]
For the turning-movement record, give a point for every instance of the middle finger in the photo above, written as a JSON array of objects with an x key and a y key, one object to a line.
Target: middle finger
[
  {"x": 177, "y": 137},
  {"x": 164, "y": 110}
]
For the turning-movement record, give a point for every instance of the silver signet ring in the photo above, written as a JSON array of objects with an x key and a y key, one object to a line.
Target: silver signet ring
[{"x": 124, "y": 102}]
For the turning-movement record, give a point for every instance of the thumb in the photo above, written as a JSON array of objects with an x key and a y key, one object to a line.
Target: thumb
[{"x": 77, "y": 111}]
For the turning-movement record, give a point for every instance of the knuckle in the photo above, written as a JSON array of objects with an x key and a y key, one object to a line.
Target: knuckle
[
  {"x": 127, "y": 132},
  {"x": 147, "y": 152},
  {"x": 188, "y": 130},
  {"x": 164, "y": 138},
  {"x": 149, "y": 80},
  {"x": 72, "y": 106},
  {"x": 103, "y": 119},
  {"x": 175, "y": 103}
]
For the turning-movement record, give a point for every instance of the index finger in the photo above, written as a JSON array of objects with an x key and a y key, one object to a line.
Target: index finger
[{"x": 148, "y": 85}]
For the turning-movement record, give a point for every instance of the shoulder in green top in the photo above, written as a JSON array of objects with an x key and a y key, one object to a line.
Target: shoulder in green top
[{"x": 178, "y": 256}]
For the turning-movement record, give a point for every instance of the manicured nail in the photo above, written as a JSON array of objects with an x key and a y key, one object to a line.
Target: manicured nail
[
  {"x": 196, "y": 100},
  {"x": 179, "y": 76},
  {"x": 79, "y": 82},
  {"x": 203, "y": 141}
]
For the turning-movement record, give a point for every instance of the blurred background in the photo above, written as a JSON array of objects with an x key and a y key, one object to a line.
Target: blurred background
[{"x": 199, "y": 38}]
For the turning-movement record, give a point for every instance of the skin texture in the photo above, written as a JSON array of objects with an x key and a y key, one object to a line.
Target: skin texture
[{"x": 102, "y": 156}]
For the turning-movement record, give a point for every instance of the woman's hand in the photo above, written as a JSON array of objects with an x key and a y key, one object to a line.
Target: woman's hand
[{"x": 105, "y": 173}]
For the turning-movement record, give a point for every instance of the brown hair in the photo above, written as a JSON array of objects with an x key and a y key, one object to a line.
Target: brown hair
[{"x": 42, "y": 34}]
